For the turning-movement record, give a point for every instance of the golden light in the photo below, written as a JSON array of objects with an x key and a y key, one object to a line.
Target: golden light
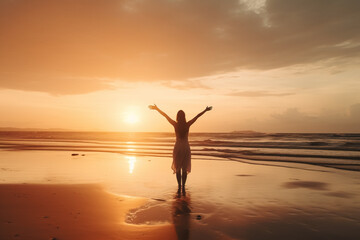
[
  {"x": 131, "y": 162},
  {"x": 131, "y": 118}
]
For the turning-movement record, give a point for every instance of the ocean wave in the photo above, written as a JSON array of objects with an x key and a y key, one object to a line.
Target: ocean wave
[{"x": 328, "y": 150}]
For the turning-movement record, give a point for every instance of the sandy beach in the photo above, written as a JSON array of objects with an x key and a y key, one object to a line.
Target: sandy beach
[
  {"x": 52, "y": 194},
  {"x": 50, "y": 211}
]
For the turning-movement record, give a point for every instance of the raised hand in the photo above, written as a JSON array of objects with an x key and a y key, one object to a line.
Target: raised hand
[
  {"x": 208, "y": 108},
  {"x": 153, "y": 107}
]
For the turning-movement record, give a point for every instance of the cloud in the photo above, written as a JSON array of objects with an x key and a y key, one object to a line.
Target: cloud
[
  {"x": 258, "y": 94},
  {"x": 56, "y": 85},
  {"x": 293, "y": 120},
  {"x": 354, "y": 112},
  {"x": 185, "y": 85},
  {"x": 164, "y": 40}
]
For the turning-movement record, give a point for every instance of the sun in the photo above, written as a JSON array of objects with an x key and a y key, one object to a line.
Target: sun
[{"x": 131, "y": 118}]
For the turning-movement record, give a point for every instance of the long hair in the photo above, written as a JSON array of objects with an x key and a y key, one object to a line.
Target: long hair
[{"x": 180, "y": 117}]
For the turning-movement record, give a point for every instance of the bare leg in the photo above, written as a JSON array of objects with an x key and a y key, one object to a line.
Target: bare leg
[
  {"x": 184, "y": 177},
  {"x": 178, "y": 178}
]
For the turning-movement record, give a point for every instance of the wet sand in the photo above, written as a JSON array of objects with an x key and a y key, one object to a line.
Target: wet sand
[
  {"x": 47, "y": 211},
  {"x": 46, "y": 194}
]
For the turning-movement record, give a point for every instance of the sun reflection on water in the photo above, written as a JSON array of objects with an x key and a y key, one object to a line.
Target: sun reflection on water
[{"x": 131, "y": 161}]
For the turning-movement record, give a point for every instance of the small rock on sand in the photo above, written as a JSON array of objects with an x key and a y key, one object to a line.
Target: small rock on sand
[
  {"x": 74, "y": 154},
  {"x": 198, "y": 217}
]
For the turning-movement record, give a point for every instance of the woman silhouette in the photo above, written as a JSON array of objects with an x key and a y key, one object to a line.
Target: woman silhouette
[{"x": 181, "y": 164}]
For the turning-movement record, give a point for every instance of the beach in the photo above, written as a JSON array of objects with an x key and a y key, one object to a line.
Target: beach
[
  {"x": 179, "y": 120},
  {"x": 54, "y": 211},
  {"x": 107, "y": 189}
]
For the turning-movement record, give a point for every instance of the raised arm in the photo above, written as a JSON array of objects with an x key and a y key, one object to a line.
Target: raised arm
[
  {"x": 199, "y": 115},
  {"x": 154, "y": 107}
]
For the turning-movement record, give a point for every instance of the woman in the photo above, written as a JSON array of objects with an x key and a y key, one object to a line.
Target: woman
[{"x": 181, "y": 164}]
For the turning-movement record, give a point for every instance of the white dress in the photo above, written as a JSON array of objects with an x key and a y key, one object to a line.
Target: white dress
[{"x": 181, "y": 152}]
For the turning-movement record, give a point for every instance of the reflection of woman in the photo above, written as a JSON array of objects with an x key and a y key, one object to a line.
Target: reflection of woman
[
  {"x": 181, "y": 210},
  {"x": 181, "y": 164}
]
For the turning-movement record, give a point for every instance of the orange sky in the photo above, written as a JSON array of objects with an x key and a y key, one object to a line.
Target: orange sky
[{"x": 267, "y": 65}]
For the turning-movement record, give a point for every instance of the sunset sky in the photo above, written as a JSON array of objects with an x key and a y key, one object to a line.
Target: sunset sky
[{"x": 266, "y": 65}]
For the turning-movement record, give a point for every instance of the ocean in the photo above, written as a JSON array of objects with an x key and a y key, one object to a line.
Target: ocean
[{"x": 331, "y": 150}]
